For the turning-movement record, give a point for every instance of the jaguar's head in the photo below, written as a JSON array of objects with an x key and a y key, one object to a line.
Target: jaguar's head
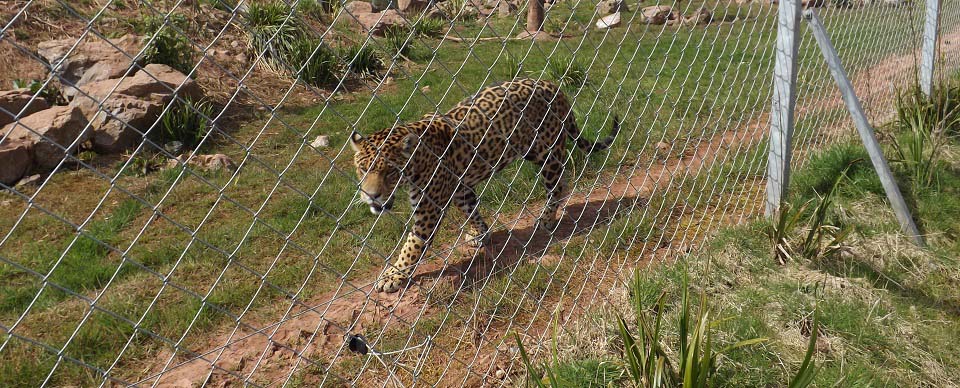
[{"x": 379, "y": 160}]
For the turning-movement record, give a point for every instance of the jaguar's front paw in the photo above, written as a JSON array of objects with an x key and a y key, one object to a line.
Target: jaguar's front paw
[
  {"x": 477, "y": 240},
  {"x": 390, "y": 282},
  {"x": 548, "y": 225}
]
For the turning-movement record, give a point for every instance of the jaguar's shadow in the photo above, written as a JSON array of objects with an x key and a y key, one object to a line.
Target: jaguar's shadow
[{"x": 510, "y": 246}]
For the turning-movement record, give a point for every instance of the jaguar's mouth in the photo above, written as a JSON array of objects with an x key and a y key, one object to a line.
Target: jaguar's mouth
[{"x": 377, "y": 208}]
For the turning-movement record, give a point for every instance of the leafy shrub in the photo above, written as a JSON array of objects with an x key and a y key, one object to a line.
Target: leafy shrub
[
  {"x": 185, "y": 122},
  {"x": 314, "y": 61},
  {"x": 360, "y": 59},
  {"x": 168, "y": 46}
]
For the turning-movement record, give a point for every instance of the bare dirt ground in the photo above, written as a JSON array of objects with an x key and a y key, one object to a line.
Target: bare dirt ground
[{"x": 312, "y": 333}]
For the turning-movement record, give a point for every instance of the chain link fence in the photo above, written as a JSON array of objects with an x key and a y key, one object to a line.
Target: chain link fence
[{"x": 181, "y": 207}]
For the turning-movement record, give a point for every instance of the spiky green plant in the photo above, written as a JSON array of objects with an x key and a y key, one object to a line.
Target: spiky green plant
[
  {"x": 925, "y": 125},
  {"x": 272, "y": 29},
  {"x": 186, "y": 121},
  {"x": 811, "y": 246},
  {"x": 361, "y": 59},
  {"x": 429, "y": 27},
  {"x": 567, "y": 71},
  {"x": 312, "y": 61},
  {"x": 397, "y": 41},
  {"x": 808, "y": 368}
]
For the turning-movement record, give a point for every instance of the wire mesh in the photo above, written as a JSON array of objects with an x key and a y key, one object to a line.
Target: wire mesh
[{"x": 202, "y": 223}]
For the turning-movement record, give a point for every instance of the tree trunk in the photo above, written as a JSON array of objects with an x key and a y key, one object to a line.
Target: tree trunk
[{"x": 535, "y": 16}]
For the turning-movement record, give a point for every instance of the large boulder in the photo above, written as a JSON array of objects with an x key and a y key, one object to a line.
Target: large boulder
[
  {"x": 656, "y": 14},
  {"x": 121, "y": 117},
  {"x": 607, "y": 7},
  {"x": 356, "y": 8},
  {"x": 13, "y": 101},
  {"x": 15, "y": 160},
  {"x": 375, "y": 23},
  {"x": 51, "y": 134},
  {"x": 92, "y": 60},
  {"x": 412, "y": 5},
  {"x": 609, "y": 21},
  {"x": 700, "y": 17}
]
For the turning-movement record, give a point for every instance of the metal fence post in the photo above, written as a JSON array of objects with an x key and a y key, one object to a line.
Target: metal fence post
[
  {"x": 928, "y": 58},
  {"x": 863, "y": 127},
  {"x": 783, "y": 104}
]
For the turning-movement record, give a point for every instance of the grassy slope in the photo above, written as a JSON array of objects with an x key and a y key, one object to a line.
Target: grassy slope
[
  {"x": 889, "y": 312},
  {"x": 690, "y": 82}
]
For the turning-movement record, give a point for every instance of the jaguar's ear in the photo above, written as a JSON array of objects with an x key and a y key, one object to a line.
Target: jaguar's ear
[
  {"x": 355, "y": 139},
  {"x": 410, "y": 143}
]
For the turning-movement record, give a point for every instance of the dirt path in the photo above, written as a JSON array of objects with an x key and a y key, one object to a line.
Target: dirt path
[{"x": 312, "y": 335}]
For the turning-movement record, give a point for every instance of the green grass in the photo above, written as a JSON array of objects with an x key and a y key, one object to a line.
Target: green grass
[
  {"x": 868, "y": 297},
  {"x": 701, "y": 84}
]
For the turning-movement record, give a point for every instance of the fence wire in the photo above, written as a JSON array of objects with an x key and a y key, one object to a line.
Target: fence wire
[{"x": 189, "y": 212}]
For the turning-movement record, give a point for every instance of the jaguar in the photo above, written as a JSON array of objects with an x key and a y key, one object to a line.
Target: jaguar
[{"x": 442, "y": 158}]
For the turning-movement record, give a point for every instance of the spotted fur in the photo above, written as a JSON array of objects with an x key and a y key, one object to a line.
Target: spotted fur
[{"x": 441, "y": 158}]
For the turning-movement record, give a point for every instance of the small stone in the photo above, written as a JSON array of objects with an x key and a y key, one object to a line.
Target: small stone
[
  {"x": 609, "y": 21},
  {"x": 235, "y": 44},
  {"x": 501, "y": 374},
  {"x": 663, "y": 146},
  {"x": 173, "y": 147},
  {"x": 321, "y": 141},
  {"x": 425, "y": 89},
  {"x": 31, "y": 180}
]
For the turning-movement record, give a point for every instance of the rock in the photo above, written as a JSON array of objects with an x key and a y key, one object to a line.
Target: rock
[
  {"x": 412, "y": 5},
  {"x": 375, "y": 23},
  {"x": 31, "y": 180},
  {"x": 379, "y": 5},
  {"x": 701, "y": 17},
  {"x": 15, "y": 160},
  {"x": 13, "y": 101},
  {"x": 211, "y": 162},
  {"x": 501, "y": 7},
  {"x": 134, "y": 105},
  {"x": 425, "y": 89},
  {"x": 48, "y": 132},
  {"x": 608, "y": 7},
  {"x": 656, "y": 14},
  {"x": 321, "y": 141},
  {"x": 357, "y": 8},
  {"x": 93, "y": 60},
  {"x": 609, "y": 21}
]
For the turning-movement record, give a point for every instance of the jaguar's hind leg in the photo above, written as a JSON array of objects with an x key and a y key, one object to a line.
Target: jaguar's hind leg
[
  {"x": 552, "y": 174},
  {"x": 478, "y": 234}
]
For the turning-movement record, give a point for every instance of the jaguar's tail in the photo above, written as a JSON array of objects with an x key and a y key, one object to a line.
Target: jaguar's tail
[{"x": 588, "y": 145}]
